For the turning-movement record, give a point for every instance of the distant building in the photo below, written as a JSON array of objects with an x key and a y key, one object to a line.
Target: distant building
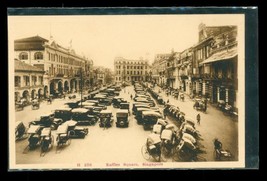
[
  {"x": 159, "y": 66},
  {"x": 29, "y": 81},
  {"x": 62, "y": 66},
  {"x": 99, "y": 76},
  {"x": 131, "y": 70}
]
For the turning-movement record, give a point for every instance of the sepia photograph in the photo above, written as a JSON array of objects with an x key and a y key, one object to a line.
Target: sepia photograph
[{"x": 126, "y": 91}]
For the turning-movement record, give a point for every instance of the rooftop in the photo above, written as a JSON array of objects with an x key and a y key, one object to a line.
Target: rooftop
[{"x": 21, "y": 66}]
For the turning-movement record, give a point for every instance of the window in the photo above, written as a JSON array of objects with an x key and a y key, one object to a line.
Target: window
[
  {"x": 134, "y": 72},
  {"x": 127, "y": 72},
  {"x": 134, "y": 67},
  {"x": 41, "y": 81},
  {"x": 34, "y": 80},
  {"x": 23, "y": 56},
  {"x": 38, "y": 56},
  {"x": 119, "y": 78},
  {"x": 127, "y": 67},
  {"x": 131, "y": 72},
  {"x": 26, "y": 80},
  {"x": 128, "y": 78},
  {"x": 17, "y": 81}
]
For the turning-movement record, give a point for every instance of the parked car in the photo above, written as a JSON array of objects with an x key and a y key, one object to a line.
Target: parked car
[
  {"x": 122, "y": 118},
  {"x": 63, "y": 113},
  {"x": 150, "y": 118},
  {"x": 47, "y": 120},
  {"x": 82, "y": 116},
  {"x": 106, "y": 118}
]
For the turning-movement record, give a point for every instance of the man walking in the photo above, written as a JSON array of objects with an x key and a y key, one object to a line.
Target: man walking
[{"x": 198, "y": 119}]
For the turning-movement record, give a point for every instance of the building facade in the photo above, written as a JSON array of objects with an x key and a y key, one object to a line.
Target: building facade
[
  {"x": 215, "y": 64},
  {"x": 65, "y": 71},
  {"x": 131, "y": 70},
  {"x": 28, "y": 81}
]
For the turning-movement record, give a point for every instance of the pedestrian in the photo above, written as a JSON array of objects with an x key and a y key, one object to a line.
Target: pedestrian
[
  {"x": 168, "y": 101},
  {"x": 131, "y": 96},
  {"x": 198, "y": 119}
]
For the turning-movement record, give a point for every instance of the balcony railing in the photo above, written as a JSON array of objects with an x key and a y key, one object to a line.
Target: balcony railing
[{"x": 225, "y": 47}]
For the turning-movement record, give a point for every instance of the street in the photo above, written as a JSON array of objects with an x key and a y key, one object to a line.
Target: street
[{"x": 124, "y": 144}]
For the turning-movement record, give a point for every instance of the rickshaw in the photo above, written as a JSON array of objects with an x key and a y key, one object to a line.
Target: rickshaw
[
  {"x": 20, "y": 130},
  {"x": 168, "y": 141},
  {"x": 63, "y": 135},
  {"x": 185, "y": 151},
  {"x": 19, "y": 106},
  {"x": 35, "y": 136},
  {"x": 150, "y": 118},
  {"x": 81, "y": 115},
  {"x": 63, "y": 114},
  {"x": 35, "y": 104},
  {"x": 47, "y": 140},
  {"x": 152, "y": 148},
  {"x": 76, "y": 131},
  {"x": 122, "y": 118},
  {"x": 106, "y": 119},
  {"x": 199, "y": 105}
]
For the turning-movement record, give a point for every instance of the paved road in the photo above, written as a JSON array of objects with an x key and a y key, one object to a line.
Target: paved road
[{"x": 123, "y": 144}]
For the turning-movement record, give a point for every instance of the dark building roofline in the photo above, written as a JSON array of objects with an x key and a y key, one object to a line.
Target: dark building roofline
[{"x": 33, "y": 38}]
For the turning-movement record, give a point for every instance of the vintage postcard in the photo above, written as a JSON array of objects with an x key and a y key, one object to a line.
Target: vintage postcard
[{"x": 126, "y": 91}]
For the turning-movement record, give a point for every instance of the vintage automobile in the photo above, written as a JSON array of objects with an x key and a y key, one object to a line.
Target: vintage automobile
[
  {"x": 62, "y": 136},
  {"x": 20, "y": 130},
  {"x": 47, "y": 120},
  {"x": 47, "y": 140},
  {"x": 126, "y": 106},
  {"x": 106, "y": 118},
  {"x": 63, "y": 113},
  {"x": 150, "y": 118},
  {"x": 83, "y": 117},
  {"x": 76, "y": 131},
  {"x": 139, "y": 104},
  {"x": 138, "y": 114},
  {"x": 116, "y": 101},
  {"x": 73, "y": 104},
  {"x": 122, "y": 118},
  {"x": 34, "y": 139},
  {"x": 82, "y": 104}
]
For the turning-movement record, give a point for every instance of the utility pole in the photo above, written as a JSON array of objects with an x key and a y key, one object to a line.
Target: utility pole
[{"x": 81, "y": 77}]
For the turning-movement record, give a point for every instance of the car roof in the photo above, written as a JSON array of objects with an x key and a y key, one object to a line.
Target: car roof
[
  {"x": 79, "y": 110},
  {"x": 152, "y": 113},
  {"x": 106, "y": 112},
  {"x": 122, "y": 111},
  {"x": 63, "y": 109}
]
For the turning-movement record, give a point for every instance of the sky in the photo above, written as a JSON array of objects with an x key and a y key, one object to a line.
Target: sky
[{"x": 102, "y": 38}]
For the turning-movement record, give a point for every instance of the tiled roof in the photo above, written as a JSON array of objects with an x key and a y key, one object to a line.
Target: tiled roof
[{"x": 21, "y": 66}]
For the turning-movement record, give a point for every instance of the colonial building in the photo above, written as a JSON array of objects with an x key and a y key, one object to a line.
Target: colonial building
[
  {"x": 29, "y": 81},
  {"x": 159, "y": 72},
  {"x": 62, "y": 66},
  {"x": 215, "y": 64},
  {"x": 131, "y": 70}
]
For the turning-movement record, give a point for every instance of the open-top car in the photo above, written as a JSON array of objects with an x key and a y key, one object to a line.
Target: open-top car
[
  {"x": 47, "y": 120},
  {"x": 122, "y": 118}
]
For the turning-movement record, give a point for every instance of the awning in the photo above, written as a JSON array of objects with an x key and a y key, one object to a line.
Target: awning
[{"x": 223, "y": 55}]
